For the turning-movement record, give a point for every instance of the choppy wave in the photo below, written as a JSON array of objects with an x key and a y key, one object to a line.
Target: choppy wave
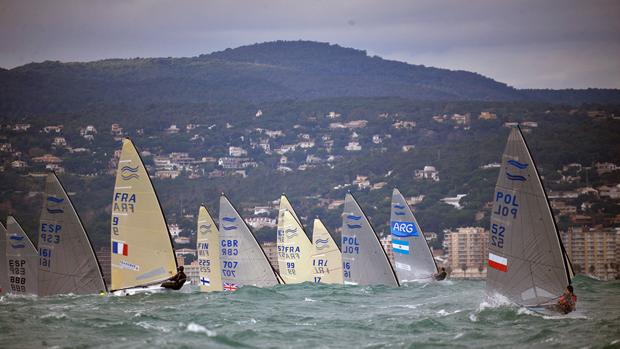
[{"x": 432, "y": 314}]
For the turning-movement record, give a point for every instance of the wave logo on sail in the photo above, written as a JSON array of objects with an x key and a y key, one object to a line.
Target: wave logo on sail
[
  {"x": 517, "y": 164},
  {"x": 291, "y": 233},
  {"x": 54, "y": 201},
  {"x": 515, "y": 177},
  {"x": 229, "y": 219},
  {"x": 204, "y": 228},
  {"x": 354, "y": 217},
  {"x": 17, "y": 244},
  {"x": 399, "y": 206},
  {"x": 128, "y": 172},
  {"x": 321, "y": 243},
  {"x": 403, "y": 229}
]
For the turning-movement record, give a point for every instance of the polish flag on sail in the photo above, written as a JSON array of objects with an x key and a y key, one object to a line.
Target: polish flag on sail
[{"x": 498, "y": 262}]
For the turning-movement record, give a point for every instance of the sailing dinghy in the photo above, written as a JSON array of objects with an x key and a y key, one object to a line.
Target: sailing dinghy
[
  {"x": 22, "y": 260},
  {"x": 243, "y": 260},
  {"x": 413, "y": 259},
  {"x": 326, "y": 256},
  {"x": 527, "y": 261},
  {"x": 142, "y": 252},
  {"x": 363, "y": 258},
  {"x": 4, "y": 269},
  {"x": 67, "y": 261},
  {"x": 294, "y": 247},
  {"x": 207, "y": 246}
]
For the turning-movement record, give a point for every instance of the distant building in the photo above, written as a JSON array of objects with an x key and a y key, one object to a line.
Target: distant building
[
  {"x": 47, "y": 159},
  {"x": 59, "y": 142},
  {"x": 467, "y": 250},
  {"x": 261, "y": 222},
  {"x": 362, "y": 182},
  {"x": 271, "y": 251},
  {"x": 353, "y": 146},
  {"x": 593, "y": 251},
  {"x": 172, "y": 129},
  {"x": 116, "y": 130},
  {"x": 404, "y": 125},
  {"x": 53, "y": 128},
  {"x": 408, "y": 147},
  {"x": 428, "y": 172},
  {"x": 376, "y": 139},
  {"x": 192, "y": 271},
  {"x": 386, "y": 243},
  {"x": 485, "y": 115},
  {"x": 605, "y": 167},
  {"x": 332, "y": 115},
  {"x": 237, "y": 151},
  {"x": 174, "y": 230}
]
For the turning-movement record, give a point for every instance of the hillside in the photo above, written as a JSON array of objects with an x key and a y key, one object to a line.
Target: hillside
[{"x": 266, "y": 72}]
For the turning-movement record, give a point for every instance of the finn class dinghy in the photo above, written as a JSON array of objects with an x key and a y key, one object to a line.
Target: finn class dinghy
[
  {"x": 326, "y": 256},
  {"x": 527, "y": 261},
  {"x": 67, "y": 261},
  {"x": 294, "y": 247},
  {"x": 243, "y": 260},
  {"x": 4, "y": 269},
  {"x": 413, "y": 259},
  {"x": 22, "y": 260},
  {"x": 207, "y": 247},
  {"x": 141, "y": 247},
  {"x": 363, "y": 259}
]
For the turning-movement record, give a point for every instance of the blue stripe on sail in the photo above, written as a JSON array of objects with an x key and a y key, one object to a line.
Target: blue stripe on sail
[
  {"x": 229, "y": 219},
  {"x": 55, "y": 199},
  {"x": 517, "y": 164},
  {"x": 515, "y": 177},
  {"x": 231, "y": 227},
  {"x": 55, "y": 210},
  {"x": 115, "y": 247},
  {"x": 401, "y": 242},
  {"x": 353, "y": 217},
  {"x": 354, "y": 226},
  {"x": 16, "y": 237},
  {"x": 18, "y": 246},
  {"x": 398, "y": 250},
  {"x": 399, "y": 213},
  {"x": 399, "y": 206}
]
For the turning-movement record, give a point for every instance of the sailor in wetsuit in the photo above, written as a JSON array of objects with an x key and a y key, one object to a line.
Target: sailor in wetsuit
[
  {"x": 567, "y": 301},
  {"x": 177, "y": 281},
  {"x": 441, "y": 275}
]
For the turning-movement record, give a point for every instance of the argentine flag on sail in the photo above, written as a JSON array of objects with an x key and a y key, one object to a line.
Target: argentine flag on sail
[{"x": 400, "y": 246}]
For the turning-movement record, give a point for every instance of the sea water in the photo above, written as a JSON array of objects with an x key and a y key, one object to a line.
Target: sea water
[{"x": 450, "y": 314}]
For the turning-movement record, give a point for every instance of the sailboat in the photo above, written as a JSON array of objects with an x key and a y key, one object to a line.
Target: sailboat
[
  {"x": 527, "y": 261},
  {"x": 207, "y": 246},
  {"x": 363, "y": 259},
  {"x": 4, "y": 270},
  {"x": 413, "y": 259},
  {"x": 22, "y": 260},
  {"x": 243, "y": 260},
  {"x": 142, "y": 252},
  {"x": 326, "y": 256},
  {"x": 67, "y": 262},
  {"x": 294, "y": 247}
]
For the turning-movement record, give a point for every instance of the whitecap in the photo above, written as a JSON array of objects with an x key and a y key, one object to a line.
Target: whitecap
[
  {"x": 243, "y": 322},
  {"x": 196, "y": 328},
  {"x": 57, "y": 316},
  {"x": 458, "y": 335},
  {"x": 150, "y": 326},
  {"x": 307, "y": 299},
  {"x": 473, "y": 317}
]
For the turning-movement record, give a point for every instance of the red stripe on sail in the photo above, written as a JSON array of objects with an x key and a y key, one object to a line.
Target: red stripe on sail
[
  {"x": 125, "y": 250},
  {"x": 500, "y": 267}
]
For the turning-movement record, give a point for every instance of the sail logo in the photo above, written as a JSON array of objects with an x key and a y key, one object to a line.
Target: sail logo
[
  {"x": 399, "y": 213},
  {"x": 55, "y": 201},
  {"x": 517, "y": 164},
  {"x": 204, "y": 228},
  {"x": 129, "y": 266},
  {"x": 291, "y": 233},
  {"x": 205, "y": 281},
  {"x": 16, "y": 241},
  {"x": 229, "y": 219},
  {"x": 321, "y": 243},
  {"x": 403, "y": 229},
  {"x": 354, "y": 226},
  {"x": 354, "y": 217},
  {"x": 498, "y": 262},
  {"x": 399, "y": 206},
  {"x": 120, "y": 248},
  {"x": 229, "y": 227},
  {"x": 400, "y": 246},
  {"x": 128, "y": 172},
  {"x": 512, "y": 177}
]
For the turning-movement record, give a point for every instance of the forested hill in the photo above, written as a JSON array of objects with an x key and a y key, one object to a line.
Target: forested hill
[{"x": 273, "y": 71}]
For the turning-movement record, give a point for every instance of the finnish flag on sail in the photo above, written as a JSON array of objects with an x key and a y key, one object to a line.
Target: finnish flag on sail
[{"x": 400, "y": 246}]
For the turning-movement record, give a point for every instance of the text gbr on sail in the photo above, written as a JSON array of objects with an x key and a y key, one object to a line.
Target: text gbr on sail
[{"x": 507, "y": 204}]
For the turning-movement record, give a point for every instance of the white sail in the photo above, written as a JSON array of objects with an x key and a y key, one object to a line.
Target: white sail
[
  {"x": 326, "y": 256},
  {"x": 207, "y": 246},
  {"x": 22, "y": 260},
  {"x": 67, "y": 262},
  {"x": 294, "y": 247},
  {"x": 4, "y": 270},
  {"x": 142, "y": 252},
  {"x": 363, "y": 259},
  {"x": 527, "y": 262},
  {"x": 413, "y": 259},
  {"x": 243, "y": 260}
]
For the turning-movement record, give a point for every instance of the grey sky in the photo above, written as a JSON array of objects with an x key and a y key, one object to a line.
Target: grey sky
[{"x": 554, "y": 44}]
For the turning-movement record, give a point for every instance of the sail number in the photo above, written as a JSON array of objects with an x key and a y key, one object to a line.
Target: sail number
[
  {"x": 507, "y": 204},
  {"x": 17, "y": 267},
  {"x": 497, "y": 235},
  {"x": 350, "y": 245},
  {"x": 229, "y": 268},
  {"x": 45, "y": 257},
  {"x": 346, "y": 266},
  {"x": 320, "y": 267},
  {"x": 229, "y": 247},
  {"x": 50, "y": 233}
]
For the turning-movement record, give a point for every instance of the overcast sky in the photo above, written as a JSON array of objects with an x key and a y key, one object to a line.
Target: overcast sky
[{"x": 539, "y": 43}]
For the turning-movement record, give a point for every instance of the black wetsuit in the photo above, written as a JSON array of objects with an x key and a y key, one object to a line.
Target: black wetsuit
[
  {"x": 441, "y": 276},
  {"x": 175, "y": 282}
]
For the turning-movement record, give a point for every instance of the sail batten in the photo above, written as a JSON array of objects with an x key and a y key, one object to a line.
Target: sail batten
[
  {"x": 141, "y": 246},
  {"x": 363, "y": 258},
  {"x": 207, "y": 247},
  {"x": 68, "y": 263},
  {"x": 22, "y": 260},
  {"x": 294, "y": 247},
  {"x": 242, "y": 258},
  {"x": 413, "y": 259},
  {"x": 527, "y": 262}
]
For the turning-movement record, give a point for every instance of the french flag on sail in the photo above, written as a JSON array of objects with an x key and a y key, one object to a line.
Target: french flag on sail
[
  {"x": 120, "y": 248},
  {"x": 498, "y": 262}
]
